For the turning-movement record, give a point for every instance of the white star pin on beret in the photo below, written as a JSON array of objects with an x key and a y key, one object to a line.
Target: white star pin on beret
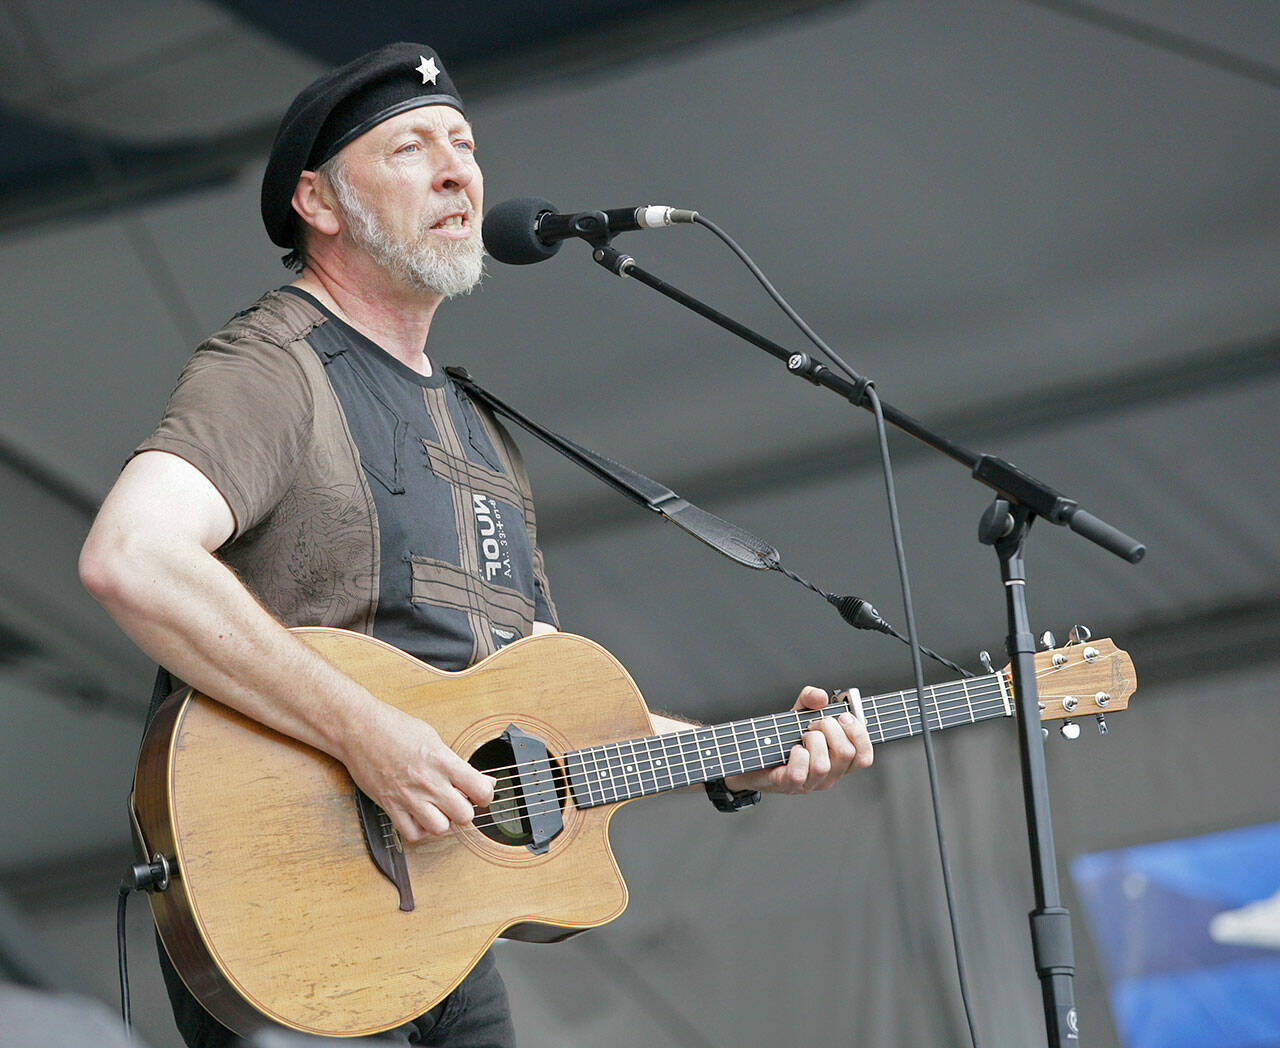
[{"x": 428, "y": 70}]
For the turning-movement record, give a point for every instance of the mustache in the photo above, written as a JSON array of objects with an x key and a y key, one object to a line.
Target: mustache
[{"x": 450, "y": 207}]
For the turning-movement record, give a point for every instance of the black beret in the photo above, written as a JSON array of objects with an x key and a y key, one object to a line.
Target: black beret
[{"x": 338, "y": 108}]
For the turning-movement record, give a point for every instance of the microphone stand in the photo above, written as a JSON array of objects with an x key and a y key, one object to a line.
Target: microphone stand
[{"x": 1020, "y": 499}]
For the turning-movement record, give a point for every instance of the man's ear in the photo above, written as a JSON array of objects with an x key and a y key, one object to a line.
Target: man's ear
[{"x": 313, "y": 201}]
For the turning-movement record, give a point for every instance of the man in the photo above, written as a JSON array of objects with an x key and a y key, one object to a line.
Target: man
[{"x": 313, "y": 467}]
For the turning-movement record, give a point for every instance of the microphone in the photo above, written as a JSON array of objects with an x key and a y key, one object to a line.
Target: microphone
[{"x": 529, "y": 229}]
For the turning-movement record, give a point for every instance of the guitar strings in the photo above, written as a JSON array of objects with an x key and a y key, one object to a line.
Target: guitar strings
[
  {"x": 960, "y": 695},
  {"x": 546, "y": 800},
  {"x": 619, "y": 767},
  {"x": 885, "y": 724}
]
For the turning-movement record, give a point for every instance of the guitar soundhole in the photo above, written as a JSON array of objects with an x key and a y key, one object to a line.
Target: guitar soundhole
[{"x": 506, "y": 820}]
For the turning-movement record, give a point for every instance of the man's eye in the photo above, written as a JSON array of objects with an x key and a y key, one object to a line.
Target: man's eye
[
  {"x": 408, "y": 147},
  {"x": 465, "y": 146}
]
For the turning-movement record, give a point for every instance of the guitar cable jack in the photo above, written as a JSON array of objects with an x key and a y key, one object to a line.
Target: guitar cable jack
[{"x": 151, "y": 876}]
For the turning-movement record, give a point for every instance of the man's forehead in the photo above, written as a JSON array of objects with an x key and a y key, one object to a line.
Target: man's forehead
[
  {"x": 428, "y": 118},
  {"x": 425, "y": 120}
]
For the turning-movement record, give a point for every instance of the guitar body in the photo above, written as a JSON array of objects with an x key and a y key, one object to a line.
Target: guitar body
[
  {"x": 291, "y": 899},
  {"x": 276, "y": 909}
]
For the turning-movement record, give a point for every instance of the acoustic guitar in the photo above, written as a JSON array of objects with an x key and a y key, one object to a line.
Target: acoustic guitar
[{"x": 290, "y": 897}]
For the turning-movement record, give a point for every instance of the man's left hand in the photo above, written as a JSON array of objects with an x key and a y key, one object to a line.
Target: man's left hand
[{"x": 829, "y": 750}]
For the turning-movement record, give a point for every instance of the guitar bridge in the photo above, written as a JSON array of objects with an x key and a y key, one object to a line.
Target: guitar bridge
[{"x": 385, "y": 847}]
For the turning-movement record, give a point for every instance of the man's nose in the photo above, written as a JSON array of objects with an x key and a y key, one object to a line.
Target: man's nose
[{"x": 453, "y": 171}]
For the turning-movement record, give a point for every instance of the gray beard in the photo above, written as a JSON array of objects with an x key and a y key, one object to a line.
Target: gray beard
[{"x": 428, "y": 263}]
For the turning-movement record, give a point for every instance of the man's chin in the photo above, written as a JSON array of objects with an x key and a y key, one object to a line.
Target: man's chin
[{"x": 447, "y": 278}]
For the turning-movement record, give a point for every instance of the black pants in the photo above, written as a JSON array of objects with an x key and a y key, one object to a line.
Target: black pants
[{"x": 476, "y": 1015}]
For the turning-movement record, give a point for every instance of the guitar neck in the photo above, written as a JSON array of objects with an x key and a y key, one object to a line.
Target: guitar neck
[{"x": 619, "y": 771}]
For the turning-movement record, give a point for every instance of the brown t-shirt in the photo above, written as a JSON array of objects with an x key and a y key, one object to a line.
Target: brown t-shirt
[{"x": 256, "y": 413}]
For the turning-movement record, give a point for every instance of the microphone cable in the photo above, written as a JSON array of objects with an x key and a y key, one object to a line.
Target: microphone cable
[{"x": 900, "y": 555}]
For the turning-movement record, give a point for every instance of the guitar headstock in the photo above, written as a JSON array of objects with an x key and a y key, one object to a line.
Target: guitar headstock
[{"x": 1090, "y": 677}]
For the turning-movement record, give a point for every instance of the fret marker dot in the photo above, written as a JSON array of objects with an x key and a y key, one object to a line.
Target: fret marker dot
[{"x": 707, "y": 752}]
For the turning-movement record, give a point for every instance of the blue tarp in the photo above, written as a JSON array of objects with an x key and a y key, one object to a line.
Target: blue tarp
[{"x": 1189, "y": 933}]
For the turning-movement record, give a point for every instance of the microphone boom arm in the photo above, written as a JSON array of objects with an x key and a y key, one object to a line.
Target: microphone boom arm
[{"x": 1006, "y": 479}]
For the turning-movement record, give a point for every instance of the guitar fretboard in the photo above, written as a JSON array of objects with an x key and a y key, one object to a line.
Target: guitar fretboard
[{"x": 619, "y": 771}]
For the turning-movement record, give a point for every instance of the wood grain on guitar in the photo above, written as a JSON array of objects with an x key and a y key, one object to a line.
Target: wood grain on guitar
[{"x": 281, "y": 908}]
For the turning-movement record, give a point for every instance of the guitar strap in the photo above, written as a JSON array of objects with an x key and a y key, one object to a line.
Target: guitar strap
[{"x": 729, "y": 539}]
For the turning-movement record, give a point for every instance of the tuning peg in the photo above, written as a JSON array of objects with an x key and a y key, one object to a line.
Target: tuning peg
[
  {"x": 1070, "y": 730},
  {"x": 1047, "y": 641},
  {"x": 1079, "y": 634},
  {"x": 985, "y": 658},
  {"x": 1102, "y": 724}
]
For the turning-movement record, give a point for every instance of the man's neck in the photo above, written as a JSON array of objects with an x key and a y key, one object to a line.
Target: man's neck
[{"x": 397, "y": 320}]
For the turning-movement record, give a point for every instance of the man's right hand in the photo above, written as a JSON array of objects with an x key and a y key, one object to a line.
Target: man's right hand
[{"x": 423, "y": 786}]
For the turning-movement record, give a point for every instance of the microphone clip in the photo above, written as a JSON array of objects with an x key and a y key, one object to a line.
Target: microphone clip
[{"x": 591, "y": 226}]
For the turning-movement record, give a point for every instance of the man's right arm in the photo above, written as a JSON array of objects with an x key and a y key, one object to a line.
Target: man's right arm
[{"x": 149, "y": 561}]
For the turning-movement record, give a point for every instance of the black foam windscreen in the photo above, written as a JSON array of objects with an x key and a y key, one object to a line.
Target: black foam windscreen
[{"x": 510, "y": 231}]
